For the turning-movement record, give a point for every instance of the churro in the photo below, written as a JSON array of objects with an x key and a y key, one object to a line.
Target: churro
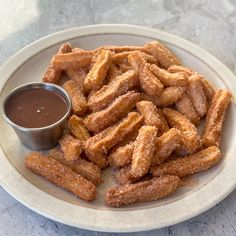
[
  {"x": 148, "y": 81},
  {"x": 77, "y": 128},
  {"x": 102, "y": 119},
  {"x": 52, "y": 75},
  {"x": 169, "y": 79},
  {"x": 152, "y": 116},
  {"x": 185, "y": 106},
  {"x": 122, "y": 57},
  {"x": 72, "y": 60},
  {"x": 85, "y": 168},
  {"x": 79, "y": 103},
  {"x": 197, "y": 95},
  {"x": 121, "y": 156},
  {"x": 190, "y": 138},
  {"x": 112, "y": 73},
  {"x": 144, "y": 148},
  {"x": 169, "y": 96},
  {"x": 71, "y": 148},
  {"x": 188, "y": 165},
  {"x": 60, "y": 175},
  {"x": 163, "y": 55},
  {"x": 121, "y": 85},
  {"x": 109, "y": 137},
  {"x": 207, "y": 86},
  {"x": 145, "y": 191},
  {"x": 215, "y": 118},
  {"x": 96, "y": 76},
  {"x": 78, "y": 76},
  {"x": 165, "y": 145}
]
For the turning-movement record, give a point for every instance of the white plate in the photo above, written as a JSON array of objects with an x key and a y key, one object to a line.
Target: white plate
[{"x": 29, "y": 65}]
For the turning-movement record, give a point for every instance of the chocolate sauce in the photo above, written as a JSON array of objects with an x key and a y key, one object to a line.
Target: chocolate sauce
[{"x": 35, "y": 108}]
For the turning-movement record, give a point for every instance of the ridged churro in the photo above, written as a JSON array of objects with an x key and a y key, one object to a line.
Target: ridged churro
[
  {"x": 77, "y": 128},
  {"x": 163, "y": 55},
  {"x": 72, "y": 60},
  {"x": 112, "y": 73},
  {"x": 121, "y": 156},
  {"x": 169, "y": 96},
  {"x": 185, "y": 106},
  {"x": 71, "y": 148},
  {"x": 188, "y": 165},
  {"x": 60, "y": 175},
  {"x": 96, "y": 76},
  {"x": 85, "y": 168},
  {"x": 111, "y": 136},
  {"x": 121, "y": 85},
  {"x": 52, "y": 75},
  {"x": 148, "y": 81},
  {"x": 79, "y": 103},
  {"x": 122, "y": 57},
  {"x": 169, "y": 79},
  {"x": 102, "y": 119},
  {"x": 144, "y": 147},
  {"x": 190, "y": 138},
  {"x": 197, "y": 95},
  {"x": 165, "y": 145},
  {"x": 145, "y": 191},
  {"x": 215, "y": 118},
  {"x": 152, "y": 116},
  {"x": 207, "y": 86},
  {"x": 78, "y": 76}
]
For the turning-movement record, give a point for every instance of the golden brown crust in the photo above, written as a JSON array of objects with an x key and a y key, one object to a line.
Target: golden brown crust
[
  {"x": 78, "y": 76},
  {"x": 121, "y": 156},
  {"x": 144, "y": 147},
  {"x": 191, "y": 139},
  {"x": 185, "y": 106},
  {"x": 152, "y": 116},
  {"x": 102, "y": 119},
  {"x": 207, "y": 86},
  {"x": 165, "y": 145},
  {"x": 77, "y": 128},
  {"x": 112, "y": 73},
  {"x": 188, "y": 165},
  {"x": 163, "y": 55},
  {"x": 149, "y": 190},
  {"x": 51, "y": 75},
  {"x": 121, "y": 85},
  {"x": 169, "y": 96},
  {"x": 215, "y": 118},
  {"x": 79, "y": 103},
  {"x": 111, "y": 136},
  {"x": 71, "y": 148},
  {"x": 72, "y": 60},
  {"x": 169, "y": 79},
  {"x": 85, "y": 168},
  {"x": 96, "y": 76},
  {"x": 197, "y": 95},
  {"x": 122, "y": 57},
  {"x": 148, "y": 81},
  {"x": 60, "y": 175}
]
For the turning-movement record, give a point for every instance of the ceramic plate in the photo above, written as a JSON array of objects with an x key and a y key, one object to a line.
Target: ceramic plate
[{"x": 29, "y": 64}]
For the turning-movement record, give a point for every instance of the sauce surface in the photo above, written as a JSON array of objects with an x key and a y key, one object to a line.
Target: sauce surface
[{"x": 35, "y": 108}]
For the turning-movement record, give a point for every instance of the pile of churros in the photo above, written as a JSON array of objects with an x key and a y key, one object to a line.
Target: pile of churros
[{"x": 137, "y": 110}]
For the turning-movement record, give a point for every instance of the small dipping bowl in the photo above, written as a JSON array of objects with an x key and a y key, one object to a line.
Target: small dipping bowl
[{"x": 45, "y": 137}]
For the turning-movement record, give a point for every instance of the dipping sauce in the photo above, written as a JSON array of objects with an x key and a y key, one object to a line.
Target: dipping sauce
[{"x": 35, "y": 107}]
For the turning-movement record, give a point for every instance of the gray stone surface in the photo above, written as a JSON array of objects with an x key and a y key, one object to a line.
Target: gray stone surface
[{"x": 210, "y": 24}]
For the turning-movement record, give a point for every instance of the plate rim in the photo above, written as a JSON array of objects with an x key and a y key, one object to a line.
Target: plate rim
[{"x": 9, "y": 176}]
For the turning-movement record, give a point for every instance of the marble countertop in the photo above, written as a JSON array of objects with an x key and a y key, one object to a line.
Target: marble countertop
[{"x": 210, "y": 24}]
